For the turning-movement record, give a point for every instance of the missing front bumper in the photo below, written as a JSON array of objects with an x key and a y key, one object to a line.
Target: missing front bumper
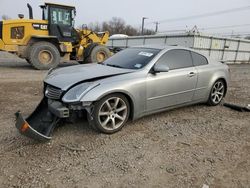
[{"x": 39, "y": 125}]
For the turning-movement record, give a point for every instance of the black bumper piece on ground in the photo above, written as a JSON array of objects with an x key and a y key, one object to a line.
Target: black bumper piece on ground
[
  {"x": 237, "y": 107},
  {"x": 39, "y": 125}
]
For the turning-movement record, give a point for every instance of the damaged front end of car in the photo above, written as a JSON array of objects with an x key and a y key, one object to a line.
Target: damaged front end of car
[
  {"x": 51, "y": 110},
  {"x": 64, "y": 99},
  {"x": 40, "y": 124}
]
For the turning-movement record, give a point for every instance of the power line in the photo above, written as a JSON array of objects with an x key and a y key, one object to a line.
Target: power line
[
  {"x": 174, "y": 30},
  {"x": 204, "y": 15},
  {"x": 209, "y": 28},
  {"x": 231, "y": 34},
  {"x": 223, "y": 27},
  {"x": 243, "y": 33}
]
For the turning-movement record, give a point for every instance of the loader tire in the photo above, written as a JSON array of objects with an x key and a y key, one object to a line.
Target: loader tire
[
  {"x": 44, "y": 55},
  {"x": 98, "y": 54}
]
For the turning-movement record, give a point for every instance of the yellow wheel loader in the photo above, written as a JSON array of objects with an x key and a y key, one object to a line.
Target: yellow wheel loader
[{"x": 44, "y": 43}]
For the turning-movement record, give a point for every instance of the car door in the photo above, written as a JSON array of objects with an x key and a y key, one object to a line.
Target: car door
[
  {"x": 204, "y": 74},
  {"x": 177, "y": 86}
]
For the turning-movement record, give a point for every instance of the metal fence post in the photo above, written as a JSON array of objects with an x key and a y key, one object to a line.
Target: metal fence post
[
  {"x": 223, "y": 51},
  {"x": 211, "y": 44},
  {"x": 237, "y": 51}
]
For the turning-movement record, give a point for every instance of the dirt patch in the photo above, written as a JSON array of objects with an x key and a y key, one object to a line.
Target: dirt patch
[{"x": 186, "y": 147}]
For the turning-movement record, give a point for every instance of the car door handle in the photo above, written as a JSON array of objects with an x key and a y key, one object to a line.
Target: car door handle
[{"x": 191, "y": 74}]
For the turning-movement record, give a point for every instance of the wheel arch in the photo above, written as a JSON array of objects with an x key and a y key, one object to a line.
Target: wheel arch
[
  {"x": 131, "y": 104},
  {"x": 210, "y": 101},
  {"x": 128, "y": 96},
  {"x": 219, "y": 75},
  {"x": 42, "y": 45},
  {"x": 224, "y": 81},
  {"x": 52, "y": 40},
  {"x": 23, "y": 51}
]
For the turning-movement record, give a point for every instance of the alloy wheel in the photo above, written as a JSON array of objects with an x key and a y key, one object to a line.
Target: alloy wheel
[
  {"x": 113, "y": 113},
  {"x": 218, "y": 92}
]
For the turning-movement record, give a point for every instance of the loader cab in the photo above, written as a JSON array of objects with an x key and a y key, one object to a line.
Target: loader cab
[{"x": 60, "y": 21}]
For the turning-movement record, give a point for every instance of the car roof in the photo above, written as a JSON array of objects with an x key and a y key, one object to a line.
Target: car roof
[
  {"x": 169, "y": 47},
  {"x": 161, "y": 47}
]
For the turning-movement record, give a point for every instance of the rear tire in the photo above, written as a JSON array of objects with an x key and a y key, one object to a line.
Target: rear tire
[
  {"x": 44, "y": 55},
  {"x": 110, "y": 113},
  {"x": 217, "y": 93},
  {"x": 98, "y": 54}
]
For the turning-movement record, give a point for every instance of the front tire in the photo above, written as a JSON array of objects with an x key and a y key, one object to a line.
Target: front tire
[
  {"x": 98, "y": 54},
  {"x": 110, "y": 113},
  {"x": 44, "y": 55},
  {"x": 217, "y": 93}
]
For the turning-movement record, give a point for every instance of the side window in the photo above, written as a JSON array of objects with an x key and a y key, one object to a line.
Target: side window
[
  {"x": 54, "y": 19},
  {"x": 60, "y": 16},
  {"x": 176, "y": 59},
  {"x": 199, "y": 59},
  {"x": 17, "y": 32}
]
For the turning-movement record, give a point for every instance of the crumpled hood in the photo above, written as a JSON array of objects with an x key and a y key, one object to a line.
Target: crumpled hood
[{"x": 64, "y": 78}]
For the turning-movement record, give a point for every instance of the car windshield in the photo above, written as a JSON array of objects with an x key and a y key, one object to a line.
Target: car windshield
[{"x": 132, "y": 58}]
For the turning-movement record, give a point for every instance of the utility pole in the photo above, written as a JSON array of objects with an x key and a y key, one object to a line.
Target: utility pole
[
  {"x": 156, "y": 26},
  {"x": 142, "y": 25}
]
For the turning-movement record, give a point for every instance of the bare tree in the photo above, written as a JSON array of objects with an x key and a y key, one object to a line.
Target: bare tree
[
  {"x": 131, "y": 31},
  {"x": 95, "y": 26},
  {"x": 105, "y": 26},
  {"x": 117, "y": 26}
]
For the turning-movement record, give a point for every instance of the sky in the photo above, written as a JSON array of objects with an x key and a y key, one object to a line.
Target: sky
[{"x": 132, "y": 11}]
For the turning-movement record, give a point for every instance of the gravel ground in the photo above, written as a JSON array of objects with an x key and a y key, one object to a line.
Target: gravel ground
[{"x": 187, "y": 147}]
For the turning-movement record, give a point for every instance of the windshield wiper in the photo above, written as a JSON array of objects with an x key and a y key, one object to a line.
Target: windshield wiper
[{"x": 117, "y": 66}]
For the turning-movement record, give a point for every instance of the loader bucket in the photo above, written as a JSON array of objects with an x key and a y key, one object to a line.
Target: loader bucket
[{"x": 39, "y": 125}]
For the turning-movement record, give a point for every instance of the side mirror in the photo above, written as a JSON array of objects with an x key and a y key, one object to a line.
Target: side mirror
[{"x": 160, "y": 68}]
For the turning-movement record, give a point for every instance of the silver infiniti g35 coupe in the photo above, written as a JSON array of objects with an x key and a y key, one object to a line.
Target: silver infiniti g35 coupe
[{"x": 133, "y": 83}]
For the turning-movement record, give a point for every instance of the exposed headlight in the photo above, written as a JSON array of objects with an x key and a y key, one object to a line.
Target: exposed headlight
[{"x": 77, "y": 92}]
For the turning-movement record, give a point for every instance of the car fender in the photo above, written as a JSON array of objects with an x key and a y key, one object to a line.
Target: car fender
[
  {"x": 135, "y": 97},
  {"x": 221, "y": 74}
]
